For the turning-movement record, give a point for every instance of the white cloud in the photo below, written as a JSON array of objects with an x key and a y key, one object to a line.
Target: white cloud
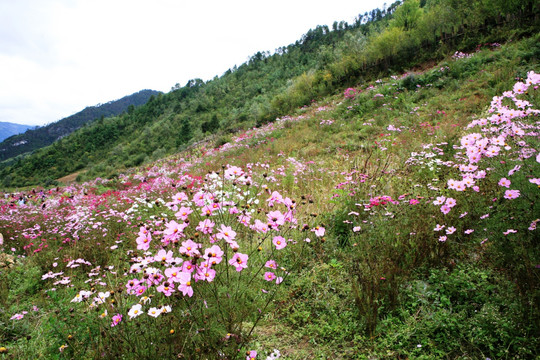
[{"x": 57, "y": 57}]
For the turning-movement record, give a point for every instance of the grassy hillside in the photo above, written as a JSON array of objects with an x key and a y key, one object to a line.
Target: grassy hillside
[
  {"x": 269, "y": 85},
  {"x": 392, "y": 219}
]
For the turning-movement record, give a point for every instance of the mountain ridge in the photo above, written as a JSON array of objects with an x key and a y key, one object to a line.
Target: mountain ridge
[
  {"x": 8, "y": 129},
  {"x": 34, "y": 139}
]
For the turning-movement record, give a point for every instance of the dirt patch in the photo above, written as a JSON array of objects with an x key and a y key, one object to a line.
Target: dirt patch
[{"x": 68, "y": 179}]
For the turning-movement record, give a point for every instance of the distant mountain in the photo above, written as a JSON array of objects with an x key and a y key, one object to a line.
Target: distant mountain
[
  {"x": 8, "y": 129},
  {"x": 31, "y": 140}
]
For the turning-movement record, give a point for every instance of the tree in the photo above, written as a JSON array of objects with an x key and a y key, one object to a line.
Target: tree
[{"x": 185, "y": 132}]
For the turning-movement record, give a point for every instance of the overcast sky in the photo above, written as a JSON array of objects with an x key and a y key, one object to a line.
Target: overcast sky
[{"x": 59, "y": 56}]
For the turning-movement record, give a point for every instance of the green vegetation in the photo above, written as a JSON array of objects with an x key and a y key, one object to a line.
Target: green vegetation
[
  {"x": 272, "y": 85},
  {"x": 400, "y": 243}
]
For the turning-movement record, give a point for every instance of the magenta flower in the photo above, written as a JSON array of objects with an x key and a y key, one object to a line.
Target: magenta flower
[
  {"x": 205, "y": 273},
  {"x": 226, "y": 233},
  {"x": 450, "y": 202},
  {"x": 206, "y": 226},
  {"x": 116, "y": 320},
  {"x": 143, "y": 242},
  {"x": 190, "y": 248},
  {"x": 172, "y": 274},
  {"x": 504, "y": 182},
  {"x": 233, "y": 172},
  {"x": 166, "y": 288},
  {"x": 183, "y": 213},
  {"x": 440, "y": 200},
  {"x": 275, "y": 219},
  {"x": 445, "y": 209},
  {"x": 269, "y": 276},
  {"x": 163, "y": 255},
  {"x": 280, "y": 242},
  {"x": 511, "y": 194},
  {"x": 214, "y": 255},
  {"x": 271, "y": 264},
  {"x": 252, "y": 355},
  {"x": 275, "y": 198},
  {"x": 239, "y": 261},
  {"x": 185, "y": 284},
  {"x": 438, "y": 227},
  {"x": 319, "y": 231}
]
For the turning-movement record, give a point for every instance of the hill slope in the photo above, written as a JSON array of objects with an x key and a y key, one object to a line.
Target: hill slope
[
  {"x": 268, "y": 86},
  {"x": 397, "y": 219},
  {"x": 46, "y": 135}
]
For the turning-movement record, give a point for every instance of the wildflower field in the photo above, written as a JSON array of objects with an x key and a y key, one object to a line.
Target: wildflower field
[{"x": 395, "y": 219}]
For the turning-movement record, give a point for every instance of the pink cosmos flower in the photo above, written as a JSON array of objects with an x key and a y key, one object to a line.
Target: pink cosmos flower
[
  {"x": 16, "y": 317},
  {"x": 445, "y": 209},
  {"x": 275, "y": 219},
  {"x": 280, "y": 242},
  {"x": 269, "y": 276},
  {"x": 163, "y": 255},
  {"x": 166, "y": 288},
  {"x": 185, "y": 284},
  {"x": 188, "y": 267},
  {"x": 511, "y": 194},
  {"x": 510, "y": 231},
  {"x": 450, "y": 202},
  {"x": 239, "y": 261},
  {"x": 173, "y": 274},
  {"x": 205, "y": 273},
  {"x": 233, "y": 172},
  {"x": 206, "y": 226},
  {"x": 259, "y": 226},
  {"x": 183, "y": 213},
  {"x": 442, "y": 238},
  {"x": 244, "y": 219},
  {"x": 469, "y": 231},
  {"x": 356, "y": 229},
  {"x": 271, "y": 264},
  {"x": 214, "y": 255},
  {"x": 190, "y": 248},
  {"x": 275, "y": 198},
  {"x": 226, "y": 233},
  {"x": 143, "y": 242},
  {"x": 319, "y": 231},
  {"x": 450, "y": 230},
  {"x": 535, "y": 181},
  {"x": 512, "y": 171},
  {"x": 139, "y": 290},
  {"x": 440, "y": 200},
  {"x": 252, "y": 355},
  {"x": 504, "y": 182},
  {"x": 438, "y": 227},
  {"x": 174, "y": 231},
  {"x": 208, "y": 210},
  {"x": 116, "y": 320}
]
